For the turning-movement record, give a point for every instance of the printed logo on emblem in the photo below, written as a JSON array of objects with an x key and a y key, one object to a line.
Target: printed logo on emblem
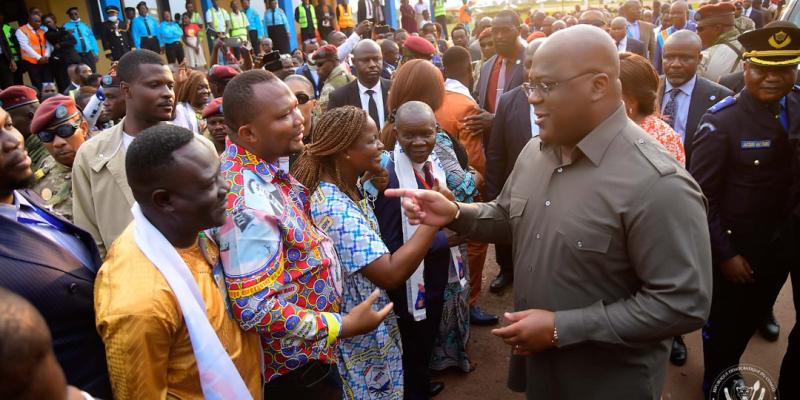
[
  {"x": 756, "y": 144},
  {"x": 744, "y": 382}
]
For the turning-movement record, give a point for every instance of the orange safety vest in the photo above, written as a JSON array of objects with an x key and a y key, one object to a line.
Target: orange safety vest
[
  {"x": 37, "y": 42},
  {"x": 345, "y": 17}
]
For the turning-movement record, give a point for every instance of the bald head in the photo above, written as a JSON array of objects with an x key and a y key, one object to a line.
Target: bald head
[
  {"x": 336, "y": 38},
  {"x": 527, "y": 58},
  {"x": 681, "y": 56},
  {"x": 366, "y": 46},
  {"x": 679, "y": 13},
  {"x": 587, "y": 43},
  {"x": 413, "y": 112},
  {"x": 594, "y": 18},
  {"x": 618, "y": 28},
  {"x": 684, "y": 38}
]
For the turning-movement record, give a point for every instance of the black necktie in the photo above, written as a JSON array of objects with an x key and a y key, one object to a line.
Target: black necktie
[
  {"x": 373, "y": 108},
  {"x": 80, "y": 35},
  {"x": 147, "y": 26}
]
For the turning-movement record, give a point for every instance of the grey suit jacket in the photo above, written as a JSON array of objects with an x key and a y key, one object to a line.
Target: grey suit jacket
[
  {"x": 705, "y": 94},
  {"x": 623, "y": 272},
  {"x": 515, "y": 80},
  {"x": 648, "y": 38}
]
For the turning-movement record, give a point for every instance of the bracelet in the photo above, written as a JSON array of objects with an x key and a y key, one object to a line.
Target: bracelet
[
  {"x": 555, "y": 336},
  {"x": 458, "y": 211}
]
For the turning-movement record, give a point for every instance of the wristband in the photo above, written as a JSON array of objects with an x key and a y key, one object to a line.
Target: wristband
[{"x": 458, "y": 211}]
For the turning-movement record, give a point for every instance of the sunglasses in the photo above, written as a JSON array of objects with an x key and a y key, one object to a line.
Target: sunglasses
[
  {"x": 62, "y": 131},
  {"x": 302, "y": 98}
]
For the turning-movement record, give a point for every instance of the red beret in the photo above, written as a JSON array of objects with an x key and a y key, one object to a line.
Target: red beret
[
  {"x": 17, "y": 96},
  {"x": 213, "y": 108},
  {"x": 53, "y": 111},
  {"x": 326, "y": 52},
  {"x": 221, "y": 73},
  {"x": 419, "y": 45},
  {"x": 711, "y": 14},
  {"x": 536, "y": 35},
  {"x": 486, "y": 32}
]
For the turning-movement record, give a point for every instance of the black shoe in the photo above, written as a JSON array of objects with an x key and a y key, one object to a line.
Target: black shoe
[
  {"x": 501, "y": 282},
  {"x": 770, "y": 330},
  {"x": 436, "y": 388},
  {"x": 480, "y": 317},
  {"x": 678, "y": 354}
]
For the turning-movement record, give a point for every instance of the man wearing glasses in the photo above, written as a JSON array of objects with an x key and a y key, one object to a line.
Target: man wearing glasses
[
  {"x": 722, "y": 53},
  {"x": 611, "y": 248},
  {"x": 61, "y": 128}
]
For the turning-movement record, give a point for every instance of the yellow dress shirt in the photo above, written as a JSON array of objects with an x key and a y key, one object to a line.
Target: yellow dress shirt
[{"x": 147, "y": 343}]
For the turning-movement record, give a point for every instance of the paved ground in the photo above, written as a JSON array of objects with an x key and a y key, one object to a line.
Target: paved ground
[{"x": 488, "y": 381}]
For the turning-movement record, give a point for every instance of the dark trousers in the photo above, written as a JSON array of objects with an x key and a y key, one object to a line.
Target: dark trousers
[
  {"x": 89, "y": 59},
  {"x": 253, "y": 37},
  {"x": 443, "y": 21},
  {"x": 737, "y": 310},
  {"x": 38, "y": 73},
  {"x": 61, "y": 75},
  {"x": 789, "y": 385},
  {"x": 315, "y": 380},
  {"x": 174, "y": 52},
  {"x": 280, "y": 38},
  {"x": 6, "y": 76},
  {"x": 150, "y": 43},
  {"x": 418, "y": 340},
  {"x": 505, "y": 258}
]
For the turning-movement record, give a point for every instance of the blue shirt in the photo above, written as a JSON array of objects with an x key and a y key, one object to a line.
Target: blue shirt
[
  {"x": 371, "y": 364},
  {"x": 139, "y": 29},
  {"x": 254, "y": 20},
  {"x": 21, "y": 208},
  {"x": 683, "y": 99},
  {"x": 633, "y": 30},
  {"x": 275, "y": 17},
  {"x": 169, "y": 32},
  {"x": 83, "y": 35}
]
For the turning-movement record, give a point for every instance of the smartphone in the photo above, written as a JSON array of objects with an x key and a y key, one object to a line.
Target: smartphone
[
  {"x": 272, "y": 61},
  {"x": 382, "y": 30}
]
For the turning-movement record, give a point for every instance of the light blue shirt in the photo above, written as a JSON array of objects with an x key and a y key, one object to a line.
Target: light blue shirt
[
  {"x": 633, "y": 30},
  {"x": 21, "y": 208},
  {"x": 83, "y": 35},
  {"x": 169, "y": 32},
  {"x": 254, "y": 20},
  {"x": 275, "y": 17},
  {"x": 534, "y": 127},
  {"x": 683, "y": 100},
  {"x": 139, "y": 28}
]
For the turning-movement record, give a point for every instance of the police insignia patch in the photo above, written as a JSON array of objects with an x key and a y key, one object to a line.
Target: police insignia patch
[
  {"x": 780, "y": 40},
  {"x": 61, "y": 111},
  {"x": 726, "y": 102}
]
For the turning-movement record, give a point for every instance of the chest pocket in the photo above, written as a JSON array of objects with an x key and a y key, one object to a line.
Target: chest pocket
[
  {"x": 754, "y": 154},
  {"x": 517, "y": 206},
  {"x": 584, "y": 239}
]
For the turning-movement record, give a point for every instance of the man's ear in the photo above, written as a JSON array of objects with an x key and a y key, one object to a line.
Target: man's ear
[
  {"x": 246, "y": 134},
  {"x": 162, "y": 200},
  {"x": 125, "y": 88}
]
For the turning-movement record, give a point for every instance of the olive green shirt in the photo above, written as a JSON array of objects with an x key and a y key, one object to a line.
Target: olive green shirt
[
  {"x": 616, "y": 243},
  {"x": 55, "y": 187}
]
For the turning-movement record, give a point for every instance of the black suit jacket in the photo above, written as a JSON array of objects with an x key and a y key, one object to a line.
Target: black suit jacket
[
  {"x": 758, "y": 17},
  {"x": 306, "y": 71},
  {"x": 347, "y": 95},
  {"x": 705, "y": 94},
  {"x": 511, "y": 130},
  {"x": 634, "y": 46},
  {"x": 62, "y": 289},
  {"x": 515, "y": 80}
]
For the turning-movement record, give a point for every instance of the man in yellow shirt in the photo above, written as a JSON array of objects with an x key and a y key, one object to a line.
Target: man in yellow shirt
[{"x": 160, "y": 306}]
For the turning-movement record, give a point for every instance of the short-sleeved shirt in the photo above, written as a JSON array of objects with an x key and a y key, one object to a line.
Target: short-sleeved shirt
[{"x": 371, "y": 365}]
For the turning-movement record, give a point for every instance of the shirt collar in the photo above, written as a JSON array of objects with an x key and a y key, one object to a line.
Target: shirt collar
[
  {"x": 687, "y": 87},
  {"x": 363, "y": 89},
  {"x": 236, "y": 154},
  {"x": 10, "y": 211},
  {"x": 453, "y": 85},
  {"x": 595, "y": 144},
  {"x": 634, "y": 23}
]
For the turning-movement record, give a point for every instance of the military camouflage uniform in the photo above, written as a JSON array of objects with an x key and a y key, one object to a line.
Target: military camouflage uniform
[
  {"x": 55, "y": 187},
  {"x": 38, "y": 155}
]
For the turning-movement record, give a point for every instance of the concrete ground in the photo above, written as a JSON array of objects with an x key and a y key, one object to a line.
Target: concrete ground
[{"x": 488, "y": 380}]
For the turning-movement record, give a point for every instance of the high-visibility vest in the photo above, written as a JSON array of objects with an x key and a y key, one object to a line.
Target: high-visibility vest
[
  {"x": 304, "y": 20},
  {"x": 7, "y": 33},
  {"x": 239, "y": 29},
  {"x": 345, "y": 17},
  {"x": 438, "y": 8},
  {"x": 37, "y": 42}
]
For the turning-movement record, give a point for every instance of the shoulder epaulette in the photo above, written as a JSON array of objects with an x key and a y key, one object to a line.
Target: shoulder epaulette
[
  {"x": 796, "y": 88},
  {"x": 657, "y": 156},
  {"x": 725, "y": 103}
]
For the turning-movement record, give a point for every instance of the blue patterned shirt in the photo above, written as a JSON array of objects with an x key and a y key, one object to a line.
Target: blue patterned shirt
[{"x": 371, "y": 364}]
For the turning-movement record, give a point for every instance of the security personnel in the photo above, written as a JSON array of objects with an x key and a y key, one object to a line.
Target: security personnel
[
  {"x": 85, "y": 43},
  {"x": 21, "y": 103},
  {"x": 743, "y": 160},
  {"x": 115, "y": 41},
  {"x": 440, "y": 15},
  {"x": 722, "y": 53},
  {"x": 61, "y": 128},
  {"x": 305, "y": 15},
  {"x": 344, "y": 17}
]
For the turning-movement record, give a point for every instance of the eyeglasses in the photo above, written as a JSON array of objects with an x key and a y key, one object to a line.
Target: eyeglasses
[
  {"x": 544, "y": 88},
  {"x": 62, "y": 131},
  {"x": 596, "y": 23},
  {"x": 302, "y": 98}
]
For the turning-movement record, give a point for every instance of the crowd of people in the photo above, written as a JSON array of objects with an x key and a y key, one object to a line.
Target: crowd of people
[{"x": 315, "y": 222}]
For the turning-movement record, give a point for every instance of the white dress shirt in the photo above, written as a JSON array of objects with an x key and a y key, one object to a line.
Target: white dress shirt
[
  {"x": 683, "y": 100},
  {"x": 622, "y": 46},
  {"x": 25, "y": 45},
  {"x": 633, "y": 30},
  {"x": 378, "y": 96},
  {"x": 534, "y": 127}
]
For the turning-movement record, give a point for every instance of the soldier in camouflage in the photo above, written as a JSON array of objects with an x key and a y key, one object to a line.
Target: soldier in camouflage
[
  {"x": 59, "y": 125},
  {"x": 21, "y": 103}
]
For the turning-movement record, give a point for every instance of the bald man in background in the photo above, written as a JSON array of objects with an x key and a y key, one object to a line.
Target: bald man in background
[{"x": 611, "y": 246}]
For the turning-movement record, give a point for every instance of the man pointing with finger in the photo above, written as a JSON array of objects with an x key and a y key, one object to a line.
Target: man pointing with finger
[{"x": 611, "y": 247}]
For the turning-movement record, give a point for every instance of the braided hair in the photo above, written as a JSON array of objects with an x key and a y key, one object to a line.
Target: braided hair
[{"x": 334, "y": 132}]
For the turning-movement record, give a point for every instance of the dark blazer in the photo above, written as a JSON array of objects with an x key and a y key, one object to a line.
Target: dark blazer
[
  {"x": 62, "y": 289},
  {"x": 387, "y": 210},
  {"x": 511, "y": 131},
  {"x": 634, "y": 46},
  {"x": 361, "y": 14},
  {"x": 515, "y": 80},
  {"x": 347, "y": 95},
  {"x": 305, "y": 71},
  {"x": 758, "y": 16},
  {"x": 705, "y": 94}
]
